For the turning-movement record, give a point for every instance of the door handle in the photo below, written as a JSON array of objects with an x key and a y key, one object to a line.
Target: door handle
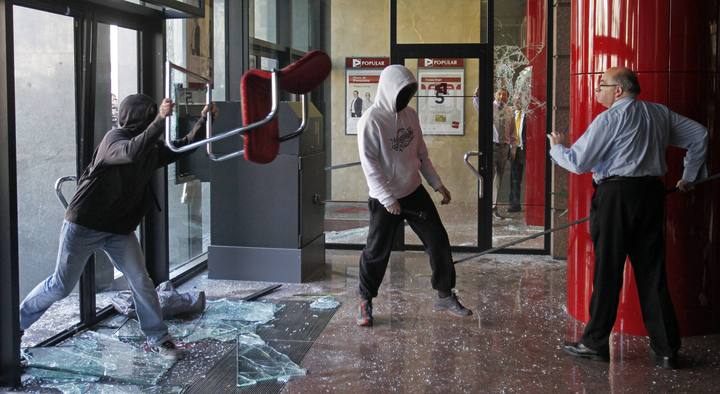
[
  {"x": 58, "y": 188},
  {"x": 317, "y": 200},
  {"x": 466, "y": 158}
]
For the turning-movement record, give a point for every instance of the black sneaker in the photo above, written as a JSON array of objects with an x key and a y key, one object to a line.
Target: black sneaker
[
  {"x": 167, "y": 350},
  {"x": 365, "y": 318},
  {"x": 577, "y": 349},
  {"x": 452, "y": 304},
  {"x": 665, "y": 362}
]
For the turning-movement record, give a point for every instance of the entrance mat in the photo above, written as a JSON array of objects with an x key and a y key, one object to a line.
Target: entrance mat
[{"x": 293, "y": 332}]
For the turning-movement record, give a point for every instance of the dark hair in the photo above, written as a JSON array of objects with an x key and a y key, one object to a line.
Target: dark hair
[{"x": 628, "y": 80}]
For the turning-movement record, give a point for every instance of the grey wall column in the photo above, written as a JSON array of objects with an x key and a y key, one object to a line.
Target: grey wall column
[
  {"x": 560, "y": 122},
  {"x": 9, "y": 321},
  {"x": 155, "y": 226},
  {"x": 237, "y": 21}
]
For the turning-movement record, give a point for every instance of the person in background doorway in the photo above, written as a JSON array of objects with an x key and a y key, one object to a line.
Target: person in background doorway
[
  {"x": 517, "y": 162},
  {"x": 503, "y": 140},
  {"x": 624, "y": 148},
  {"x": 393, "y": 155},
  {"x": 114, "y": 193}
]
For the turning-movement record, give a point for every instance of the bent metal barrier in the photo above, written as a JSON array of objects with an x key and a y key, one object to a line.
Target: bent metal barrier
[
  {"x": 259, "y": 90},
  {"x": 552, "y": 230}
]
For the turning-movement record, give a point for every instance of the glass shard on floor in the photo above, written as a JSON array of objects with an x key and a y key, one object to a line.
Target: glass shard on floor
[
  {"x": 55, "y": 377},
  {"x": 106, "y": 388},
  {"x": 325, "y": 302},
  {"x": 258, "y": 362},
  {"x": 93, "y": 354},
  {"x": 222, "y": 320}
]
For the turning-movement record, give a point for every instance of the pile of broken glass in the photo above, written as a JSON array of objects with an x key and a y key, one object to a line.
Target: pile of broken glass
[{"x": 115, "y": 361}]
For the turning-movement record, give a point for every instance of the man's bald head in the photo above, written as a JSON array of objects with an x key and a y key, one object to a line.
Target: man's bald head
[{"x": 625, "y": 77}]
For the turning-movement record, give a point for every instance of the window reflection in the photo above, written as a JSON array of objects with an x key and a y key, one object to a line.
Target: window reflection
[{"x": 45, "y": 144}]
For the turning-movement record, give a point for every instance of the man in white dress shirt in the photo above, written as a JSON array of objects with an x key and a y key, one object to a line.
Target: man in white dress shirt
[{"x": 624, "y": 148}]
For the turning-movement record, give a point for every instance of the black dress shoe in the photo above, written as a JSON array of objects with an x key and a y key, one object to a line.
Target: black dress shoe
[
  {"x": 665, "y": 362},
  {"x": 577, "y": 349}
]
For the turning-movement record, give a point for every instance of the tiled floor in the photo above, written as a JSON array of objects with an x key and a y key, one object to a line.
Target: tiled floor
[{"x": 511, "y": 344}]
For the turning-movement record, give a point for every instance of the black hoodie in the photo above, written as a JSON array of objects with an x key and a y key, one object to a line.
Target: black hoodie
[{"x": 114, "y": 191}]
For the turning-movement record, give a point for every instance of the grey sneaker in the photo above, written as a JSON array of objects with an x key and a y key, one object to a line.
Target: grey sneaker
[
  {"x": 496, "y": 214},
  {"x": 452, "y": 304},
  {"x": 167, "y": 350}
]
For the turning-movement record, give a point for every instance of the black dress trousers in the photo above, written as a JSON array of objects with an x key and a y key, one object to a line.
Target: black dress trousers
[
  {"x": 627, "y": 219},
  {"x": 430, "y": 230}
]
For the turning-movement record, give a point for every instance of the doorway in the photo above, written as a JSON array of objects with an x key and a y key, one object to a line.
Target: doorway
[{"x": 68, "y": 80}]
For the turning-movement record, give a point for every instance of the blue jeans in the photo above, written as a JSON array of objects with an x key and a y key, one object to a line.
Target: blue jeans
[{"x": 77, "y": 244}]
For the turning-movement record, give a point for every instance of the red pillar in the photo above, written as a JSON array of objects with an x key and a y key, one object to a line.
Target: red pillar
[
  {"x": 668, "y": 43},
  {"x": 535, "y": 129}
]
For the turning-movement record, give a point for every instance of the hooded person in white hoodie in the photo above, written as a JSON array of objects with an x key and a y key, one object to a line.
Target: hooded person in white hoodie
[{"x": 392, "y": 155}]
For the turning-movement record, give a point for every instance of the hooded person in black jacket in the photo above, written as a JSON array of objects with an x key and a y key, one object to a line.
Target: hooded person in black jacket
[{"x": 114, "y": 194}]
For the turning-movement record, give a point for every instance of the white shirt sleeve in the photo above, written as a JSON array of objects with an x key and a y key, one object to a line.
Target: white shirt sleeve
[{"x": 587, "y": 151}]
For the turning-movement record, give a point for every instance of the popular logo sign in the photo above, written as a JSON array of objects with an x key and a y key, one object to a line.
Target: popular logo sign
[
  {"x": 367, "y": 62},
  {"x": 442, "y": 62}
]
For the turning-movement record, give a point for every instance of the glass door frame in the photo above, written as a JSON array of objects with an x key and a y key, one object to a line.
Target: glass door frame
[
  {"x": 398, "y": 54},
  {"x": 151, "y": 44},
  {"x": 485, "y": 53}
]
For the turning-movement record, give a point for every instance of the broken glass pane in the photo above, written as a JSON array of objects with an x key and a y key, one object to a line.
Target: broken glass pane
[
  {"x": 222, "y": 320},
  {"x": 326, "y": 302},
  {"x": 104, "y": 388},
  {"x": 57, "y": 377},
  {"x": 94, "y": 354},
  {"x": 513, "y": 71},
  {"x": 257, "y": 362}
]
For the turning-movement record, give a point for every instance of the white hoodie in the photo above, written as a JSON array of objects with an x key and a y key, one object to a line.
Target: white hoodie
[{"x": 391, "y": 145}]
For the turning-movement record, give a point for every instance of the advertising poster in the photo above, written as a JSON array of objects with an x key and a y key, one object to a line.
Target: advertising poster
[
  {"x": 362, "y": 75},
  {"x": 440, "y": 91}
]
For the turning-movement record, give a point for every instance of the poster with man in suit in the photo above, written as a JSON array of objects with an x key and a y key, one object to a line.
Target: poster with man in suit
[{"x": 362, "y": 77}]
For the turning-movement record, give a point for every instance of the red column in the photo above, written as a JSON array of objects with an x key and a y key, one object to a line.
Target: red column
[
  {"x": 668, "y": 43},
  {"x": 535, "y": 129}
]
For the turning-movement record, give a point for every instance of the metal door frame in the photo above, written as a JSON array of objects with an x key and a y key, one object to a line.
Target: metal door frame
[
  {"x": 483, "y": 52},
  {"x": 151, "y": 52}
]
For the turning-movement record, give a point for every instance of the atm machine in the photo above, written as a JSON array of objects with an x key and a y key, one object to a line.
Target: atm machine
[{"x": 267, "y": 219}]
